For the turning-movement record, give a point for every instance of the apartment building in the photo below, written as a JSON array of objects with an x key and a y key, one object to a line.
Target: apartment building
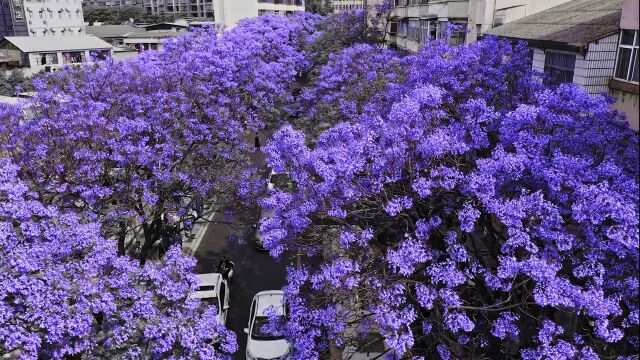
[
  {"x": 229, "y": 12},
  {"x": 226, "y": 12},
  {"x": 592, "y": 43},
  {"x": 203, "y": 9},
  {"x": 41, "y": 18},
  {"x": 461, "y": 21},
  {"x": 342, "y": 5},
  {"x": 118, "y": 3}
]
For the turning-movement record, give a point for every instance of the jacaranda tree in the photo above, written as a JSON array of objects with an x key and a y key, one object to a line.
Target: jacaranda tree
[
  {"x": 64, "y": 292},
  {"x": 138, "y": 142},
  {"x": 481, "y": 215}
]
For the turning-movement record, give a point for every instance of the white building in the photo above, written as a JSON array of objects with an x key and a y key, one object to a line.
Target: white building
[
  {"x": 229, "y": 12},
  {"x": 342, "y": 5},
  {"x": 226, "y": 12},
  {"x": 36, "y": 53},
  {"x": 415, "y": 21}
]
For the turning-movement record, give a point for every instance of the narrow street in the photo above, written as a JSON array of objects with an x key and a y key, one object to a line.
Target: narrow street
[{"x": 254, "y": 270}]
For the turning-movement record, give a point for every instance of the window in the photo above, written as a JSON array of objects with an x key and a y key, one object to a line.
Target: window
[
  {"x": 558, "y": 68},
  {"x": 499, "y": 18},
  {"x": 627, "y": 62},
  {"x": 414, "y": 29},
  {"x": 47, "y": 59},
  {"x": 74, "y": 57}
]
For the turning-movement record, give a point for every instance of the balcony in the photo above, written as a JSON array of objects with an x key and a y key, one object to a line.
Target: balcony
[{"x": 281, "y": 2}]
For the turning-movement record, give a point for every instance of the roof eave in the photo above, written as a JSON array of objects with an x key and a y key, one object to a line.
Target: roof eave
[{"x": 546, "y": 44}]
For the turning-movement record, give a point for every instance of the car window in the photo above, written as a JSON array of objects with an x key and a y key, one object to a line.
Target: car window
[{"x": 258, "y": 333}]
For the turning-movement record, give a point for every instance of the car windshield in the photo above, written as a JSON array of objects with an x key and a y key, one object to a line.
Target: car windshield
[
  {"x": 258, "y": 334},
  {"x": 282, "y": 182},
  {"x": 207, "y": 288},
  {"x": 211, "y": 302}
]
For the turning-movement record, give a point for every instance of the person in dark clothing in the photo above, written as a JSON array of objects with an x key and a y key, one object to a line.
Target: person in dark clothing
[
  {"x": 225, "y": 267},
  {"x": 257, "y": 142}
]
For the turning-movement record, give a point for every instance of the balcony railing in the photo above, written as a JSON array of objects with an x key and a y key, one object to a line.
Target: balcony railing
[
  {"x": 410, "y": 2},
  {"x": 282, "y": 2}
]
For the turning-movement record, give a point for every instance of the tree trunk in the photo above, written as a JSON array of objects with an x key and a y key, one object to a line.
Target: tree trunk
[
  {"x": 122, "y": 238},
  {"x": 151, "y": 234},
  {"x": 335, "y": 353}
]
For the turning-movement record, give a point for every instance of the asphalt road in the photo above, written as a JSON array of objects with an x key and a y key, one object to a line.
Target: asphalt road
[{"x": 254, "y": 270}]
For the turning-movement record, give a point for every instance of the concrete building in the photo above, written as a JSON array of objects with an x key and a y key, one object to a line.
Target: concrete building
[
  {"x": 416, "y": 21},
  {"x": 341, "y": 5},
  {"x": 225, "y": 12},
  {"x": 203, "y": 9},
  {"x": 41, "y": 18},
  {"x": 113, "y": 34},
  {"x": 116, "y": 3},
  {"x": 229, "y": 12},
  {"x": 36, "y": 53},
  {"x": 593, "y": 43}
]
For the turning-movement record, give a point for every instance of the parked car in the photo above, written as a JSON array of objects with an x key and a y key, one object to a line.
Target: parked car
[
  {"x": 259, "y": 236},
  {"x": 266, "y": 344},
  {"x": 280, "y": 181},
  {"x": 214, "y": 290}
]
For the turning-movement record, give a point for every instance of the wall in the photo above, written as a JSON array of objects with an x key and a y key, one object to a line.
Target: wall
[
  {"x": 594, "y": 70},
  {"x": 229, "y": 12},
  {"x": 482, "y": 12},
  {"x": 630, "y": 15},
  {"x": 627, "y": 103},
  {"x": 54, "y": 17},
  {"x": 339, "y": 5}
]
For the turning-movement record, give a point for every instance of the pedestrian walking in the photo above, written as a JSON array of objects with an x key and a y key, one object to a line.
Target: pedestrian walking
[{"x": 257, "y": 142}]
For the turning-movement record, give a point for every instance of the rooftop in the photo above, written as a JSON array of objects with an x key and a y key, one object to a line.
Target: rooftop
[
  {"x": 110, "y": 31},
  {"x": 575, "y": 23},
  {"x": 29, "y": 44}
]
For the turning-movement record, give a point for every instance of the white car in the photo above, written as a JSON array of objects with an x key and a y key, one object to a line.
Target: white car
[
  {"x": 260, "y": 344},
  {"x": 280, "y": 181},
  {"x": 214, "y": 290}
]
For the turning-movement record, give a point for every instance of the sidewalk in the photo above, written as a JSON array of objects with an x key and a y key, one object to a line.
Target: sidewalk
[{"x": 190, "y": 246}]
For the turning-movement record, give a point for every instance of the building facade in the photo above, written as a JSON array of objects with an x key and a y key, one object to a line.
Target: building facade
[
  {"x": 592, "y": 43},
  {"x": 414, "y": 22},
  {"x": 624, "y": 85},
  {"x": 41, "y": 18},
  {"x": 225, "y": 12},
  {"x": 36, "y": 53},
  {"x": 203, "y": 9},
  {"x": 229, "y": 12},
  {"x": 342, "y": 5}
]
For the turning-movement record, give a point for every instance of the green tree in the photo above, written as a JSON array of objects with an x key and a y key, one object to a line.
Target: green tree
[
  {"x": 119, "y": 15},
  {"x": 12, "y": 80},
  {"x": 322, "y": 7}
]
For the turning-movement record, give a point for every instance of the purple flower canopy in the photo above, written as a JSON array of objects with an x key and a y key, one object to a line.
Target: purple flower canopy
[
  {"x": 501, "y": 217},
  {"x": 64, "y": 290},
  {"x": 446, "y": 200},
  {"x": 131, "y": 143}
]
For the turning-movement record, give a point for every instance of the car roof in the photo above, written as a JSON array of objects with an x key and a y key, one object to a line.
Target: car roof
[
  {"x": 266, "y": 299},
  {"x": 211, "y": 279}
]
